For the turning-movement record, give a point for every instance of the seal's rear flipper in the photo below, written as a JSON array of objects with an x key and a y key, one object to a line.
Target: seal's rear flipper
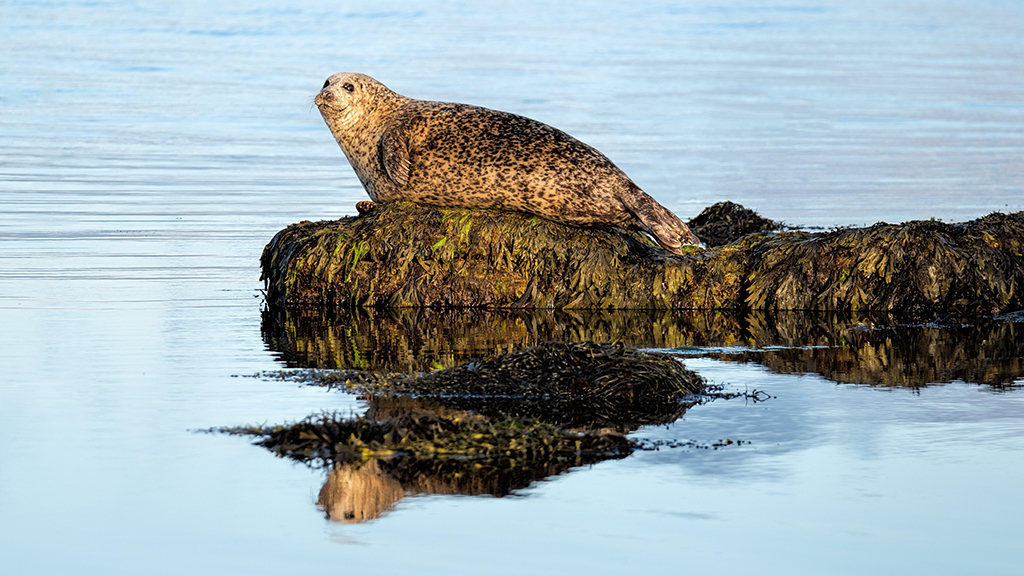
[{"x": 659, "y": 221}]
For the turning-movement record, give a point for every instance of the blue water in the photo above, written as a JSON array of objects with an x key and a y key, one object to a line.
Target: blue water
[{"x": 148, "y": 151}]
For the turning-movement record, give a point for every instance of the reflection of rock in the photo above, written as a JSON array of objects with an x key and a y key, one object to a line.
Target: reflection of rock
[
  {"x": 401, "y": 255},
  {"x": 365, "y": 490},
  {"x": 420, "y": 340},
  {"x": 990, "y": 353},
  {"x": 865, "y": 348},
  {"x": 358, "y": 493}
]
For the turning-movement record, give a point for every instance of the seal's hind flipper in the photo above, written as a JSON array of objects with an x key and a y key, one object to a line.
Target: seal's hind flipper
[
  {"x": 659, "y": 221},
  {"x": 393, "y": 154}
]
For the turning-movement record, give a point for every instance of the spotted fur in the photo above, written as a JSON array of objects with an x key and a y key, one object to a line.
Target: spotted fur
[{"x": 447, "y": 154}]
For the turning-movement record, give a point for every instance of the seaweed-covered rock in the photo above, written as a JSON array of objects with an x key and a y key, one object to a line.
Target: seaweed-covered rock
[
  {"x": 401, "y": 255},
  {"x": 582, "y": 384},
  {"x": 975, "y": 267},
  {"x": 564, "y": 369}
]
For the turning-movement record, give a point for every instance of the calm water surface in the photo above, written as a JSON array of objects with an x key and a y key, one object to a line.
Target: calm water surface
[{"x": 149, "y": 151}]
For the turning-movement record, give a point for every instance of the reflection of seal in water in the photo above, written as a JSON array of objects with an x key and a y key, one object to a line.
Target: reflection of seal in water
[{"x": 447, "y": 154}]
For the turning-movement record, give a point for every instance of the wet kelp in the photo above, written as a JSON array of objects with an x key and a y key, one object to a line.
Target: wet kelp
[
  {"x": 400, "y": 255},
  {"x": 865, "y": 348},
  {"x": 976, "y": 267}
]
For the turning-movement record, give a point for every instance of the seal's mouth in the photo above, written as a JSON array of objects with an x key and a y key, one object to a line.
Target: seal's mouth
[{"x": 326, "y": 100}]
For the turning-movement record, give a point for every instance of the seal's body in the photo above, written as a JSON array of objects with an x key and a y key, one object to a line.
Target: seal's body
[{"x": 447, "y": 154}]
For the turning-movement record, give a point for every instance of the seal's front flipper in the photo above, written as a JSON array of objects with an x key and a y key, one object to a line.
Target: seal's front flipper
[
  {"x": 393, "y": 155},
  {"x": 365, "y": 207},
  {"x": 659, "y": 221}
]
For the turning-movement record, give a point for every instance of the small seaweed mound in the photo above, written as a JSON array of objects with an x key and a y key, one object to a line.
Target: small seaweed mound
[
  {"x": 401, "y": 255},
  {"x": 326, "y": 439},
  {"x": 726, "y": 222},
  {"x": 581, "y": 384},
  {"x": 559, "y": 369}
]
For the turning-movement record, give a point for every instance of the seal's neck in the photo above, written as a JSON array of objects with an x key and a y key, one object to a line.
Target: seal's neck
[
  {"x": 354, "y": 121},
  {"x": 358, "y": 130}
]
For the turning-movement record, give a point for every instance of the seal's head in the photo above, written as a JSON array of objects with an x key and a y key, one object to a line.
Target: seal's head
[{"x": 349, "y": 100}]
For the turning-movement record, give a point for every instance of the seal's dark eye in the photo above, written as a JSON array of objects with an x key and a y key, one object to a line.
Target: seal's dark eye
[
  {"x": 326, "y": 84},
  {"x": 348, "y": 87}
]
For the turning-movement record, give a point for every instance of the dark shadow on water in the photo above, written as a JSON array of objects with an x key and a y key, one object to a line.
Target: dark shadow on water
[{"x": 876, "y": 349}]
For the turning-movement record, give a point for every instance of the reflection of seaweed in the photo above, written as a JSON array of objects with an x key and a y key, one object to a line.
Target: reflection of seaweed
[
  {"x": 858, "y": 348},
  {"x": 916, "y": 355},
  {"x": 420, "y": 340},
  {"x": 423, "y": 433},
  {"x": 508, "y": 260},
  {"x": 410, "y": 448},
  {"x": 364, "y": 490}
]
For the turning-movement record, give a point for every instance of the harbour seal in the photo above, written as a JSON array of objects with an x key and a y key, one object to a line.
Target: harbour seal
[{"x": 447, "y": 154}]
